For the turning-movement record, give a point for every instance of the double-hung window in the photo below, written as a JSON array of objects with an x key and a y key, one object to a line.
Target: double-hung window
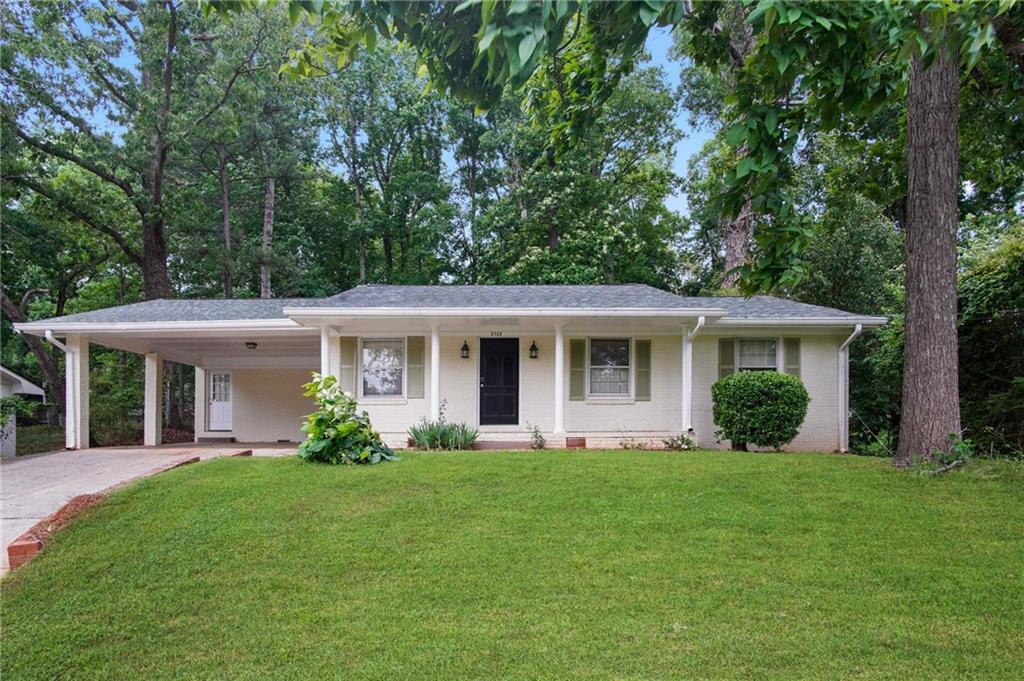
[
  {"x": 609, "y": 367},
  {"x": 383, "y": 368},
  {"x": 757, "y": 354}
]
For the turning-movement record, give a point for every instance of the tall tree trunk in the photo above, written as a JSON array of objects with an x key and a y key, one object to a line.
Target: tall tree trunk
[
  {"x": 931, "y": 400},
  {"x": 156, "y": 280},
  {"x": 267, "y": 236},
  {"x": 350, "y": 154},
  {"x": 739, "y": 232},
  {"x": 389, "y": 254},
  {"x": 225, "y": 217}
]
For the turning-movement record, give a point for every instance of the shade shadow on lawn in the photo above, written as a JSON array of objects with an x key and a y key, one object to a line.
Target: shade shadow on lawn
[{"x": 533, "y": 565}]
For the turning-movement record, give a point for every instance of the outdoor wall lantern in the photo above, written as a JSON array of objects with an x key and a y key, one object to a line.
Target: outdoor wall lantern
[
  {"x": 250, "y": 345},
  {"x": 533, "y": 350},
  {"x": 464, "y": 352}
]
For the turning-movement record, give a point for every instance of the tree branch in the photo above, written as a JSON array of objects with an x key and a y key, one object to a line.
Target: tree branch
[
  {"x": 54, "y": 150},
  {"x": 66, "y": 204},
  {"x": 239, "y": 70},
  {"x": 29, "y": 295}
]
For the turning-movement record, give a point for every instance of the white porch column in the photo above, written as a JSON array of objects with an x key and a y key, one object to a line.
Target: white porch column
[
  {"x": 435, "y": 371},
  {"x": 76, "y": 395},
  {"x": 559, "y": 379},
  {"x": 334, "y": 356},
  {"x": 153, "y": 410},
  {"x": 325, "y": 350}
]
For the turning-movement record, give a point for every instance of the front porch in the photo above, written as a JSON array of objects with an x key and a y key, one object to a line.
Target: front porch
[{"x": 249, "y": 377}]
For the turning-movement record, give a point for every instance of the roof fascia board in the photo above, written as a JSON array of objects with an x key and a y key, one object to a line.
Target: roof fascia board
[
  {"x": 802, "y": 321},
  {"x": 41, "y": 327}
]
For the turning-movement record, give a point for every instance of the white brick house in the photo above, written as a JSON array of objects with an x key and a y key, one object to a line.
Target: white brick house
[{"x": 603, "y": 363}]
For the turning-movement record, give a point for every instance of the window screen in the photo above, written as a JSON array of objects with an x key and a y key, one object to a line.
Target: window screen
[
  {"x": 757, "y": 355},
  {"x": 609, "y": 366},
  {"x": 383, "y": 363}
]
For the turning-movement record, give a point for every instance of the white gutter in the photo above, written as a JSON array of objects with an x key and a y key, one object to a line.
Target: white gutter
[
  {"x": 240, "y": 325},
  {"x": 844, "y": 389},
  {"x": 803, "y": 321}
]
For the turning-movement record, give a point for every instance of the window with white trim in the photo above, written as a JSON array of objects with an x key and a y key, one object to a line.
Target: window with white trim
[
  {"x": 757, "y": 354},
  {"x": 383, "y": 368},
  {"x": 609, "y": 367}
]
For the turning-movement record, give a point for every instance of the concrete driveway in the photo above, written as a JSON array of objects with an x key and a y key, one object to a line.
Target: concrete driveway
[{"x": 33, "y": 487}]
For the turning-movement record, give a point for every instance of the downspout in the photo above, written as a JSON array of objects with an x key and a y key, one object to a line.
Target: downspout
[
  {"x": 56, "y": 343},
  {"x": 844, "y": 389},
  {"x": 693, "y": 333},
  {"x": 69, "y": 389},
  {"x": 688, "y": 375}
]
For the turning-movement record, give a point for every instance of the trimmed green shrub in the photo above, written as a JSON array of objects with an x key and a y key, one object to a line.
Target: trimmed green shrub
[
  {"x": 763, "y": 408},
  {"x": 336, "y": 432}
]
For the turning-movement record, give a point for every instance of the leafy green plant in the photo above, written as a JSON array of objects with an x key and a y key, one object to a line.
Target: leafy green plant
[
  {"x": 336, "y": 433},
  {"x": 442, "y": 435},
  {"x": 960, "y": 449},
  {"x": 763, "y": 408},
  {"x": 679, "y": 443},
  {"x": 10, "y": 406},
  {"x": 537, "y": 440}
]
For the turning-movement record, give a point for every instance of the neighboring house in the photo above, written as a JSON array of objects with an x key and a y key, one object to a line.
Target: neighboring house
[
  {"x": 12, "y": 383},
  {"x": 604, "y": 363}
]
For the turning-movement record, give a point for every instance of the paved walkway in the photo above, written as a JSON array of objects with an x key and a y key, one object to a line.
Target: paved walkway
[{"x": 33, "y": 487}]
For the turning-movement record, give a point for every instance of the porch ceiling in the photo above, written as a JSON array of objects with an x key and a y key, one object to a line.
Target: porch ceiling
[{"x": 298, "y": 349}]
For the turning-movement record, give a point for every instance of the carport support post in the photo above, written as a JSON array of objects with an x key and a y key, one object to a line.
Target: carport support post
[
  {"x": 152, "y": 428},
  {"x": 76, "y": 395},
  {"x": 559, "y": 380},
  {"x": 435, "y": 371}
]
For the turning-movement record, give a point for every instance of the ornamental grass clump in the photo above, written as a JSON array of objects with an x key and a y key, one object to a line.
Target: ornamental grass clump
[
  {"x": 443, "y": 435},
  {"x": 336, "y": 432},
  {"x": 762, "y": 408}
]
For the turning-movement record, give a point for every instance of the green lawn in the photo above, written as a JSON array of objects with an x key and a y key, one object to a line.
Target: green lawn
[{"x": 534, "y": 565}]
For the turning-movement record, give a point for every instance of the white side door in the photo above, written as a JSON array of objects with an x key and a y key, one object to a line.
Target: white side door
[{"x": 219, "y": 401}]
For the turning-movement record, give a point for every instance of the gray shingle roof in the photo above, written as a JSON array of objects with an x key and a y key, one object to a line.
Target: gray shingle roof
[
  {"x": 637, "y": 296},
  {"x": 189, "y": 310},
  {"x": 535, "y": 296}
]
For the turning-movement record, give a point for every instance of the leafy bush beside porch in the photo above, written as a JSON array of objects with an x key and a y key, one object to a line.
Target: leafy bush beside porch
[{"x": 337, "y": 432}]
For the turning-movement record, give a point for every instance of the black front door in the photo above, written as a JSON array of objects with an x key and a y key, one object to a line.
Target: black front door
[{"x": 499, "y": 381}]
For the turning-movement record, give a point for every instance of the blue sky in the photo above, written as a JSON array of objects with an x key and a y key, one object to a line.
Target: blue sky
[{"x": 659, "y": 44}]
